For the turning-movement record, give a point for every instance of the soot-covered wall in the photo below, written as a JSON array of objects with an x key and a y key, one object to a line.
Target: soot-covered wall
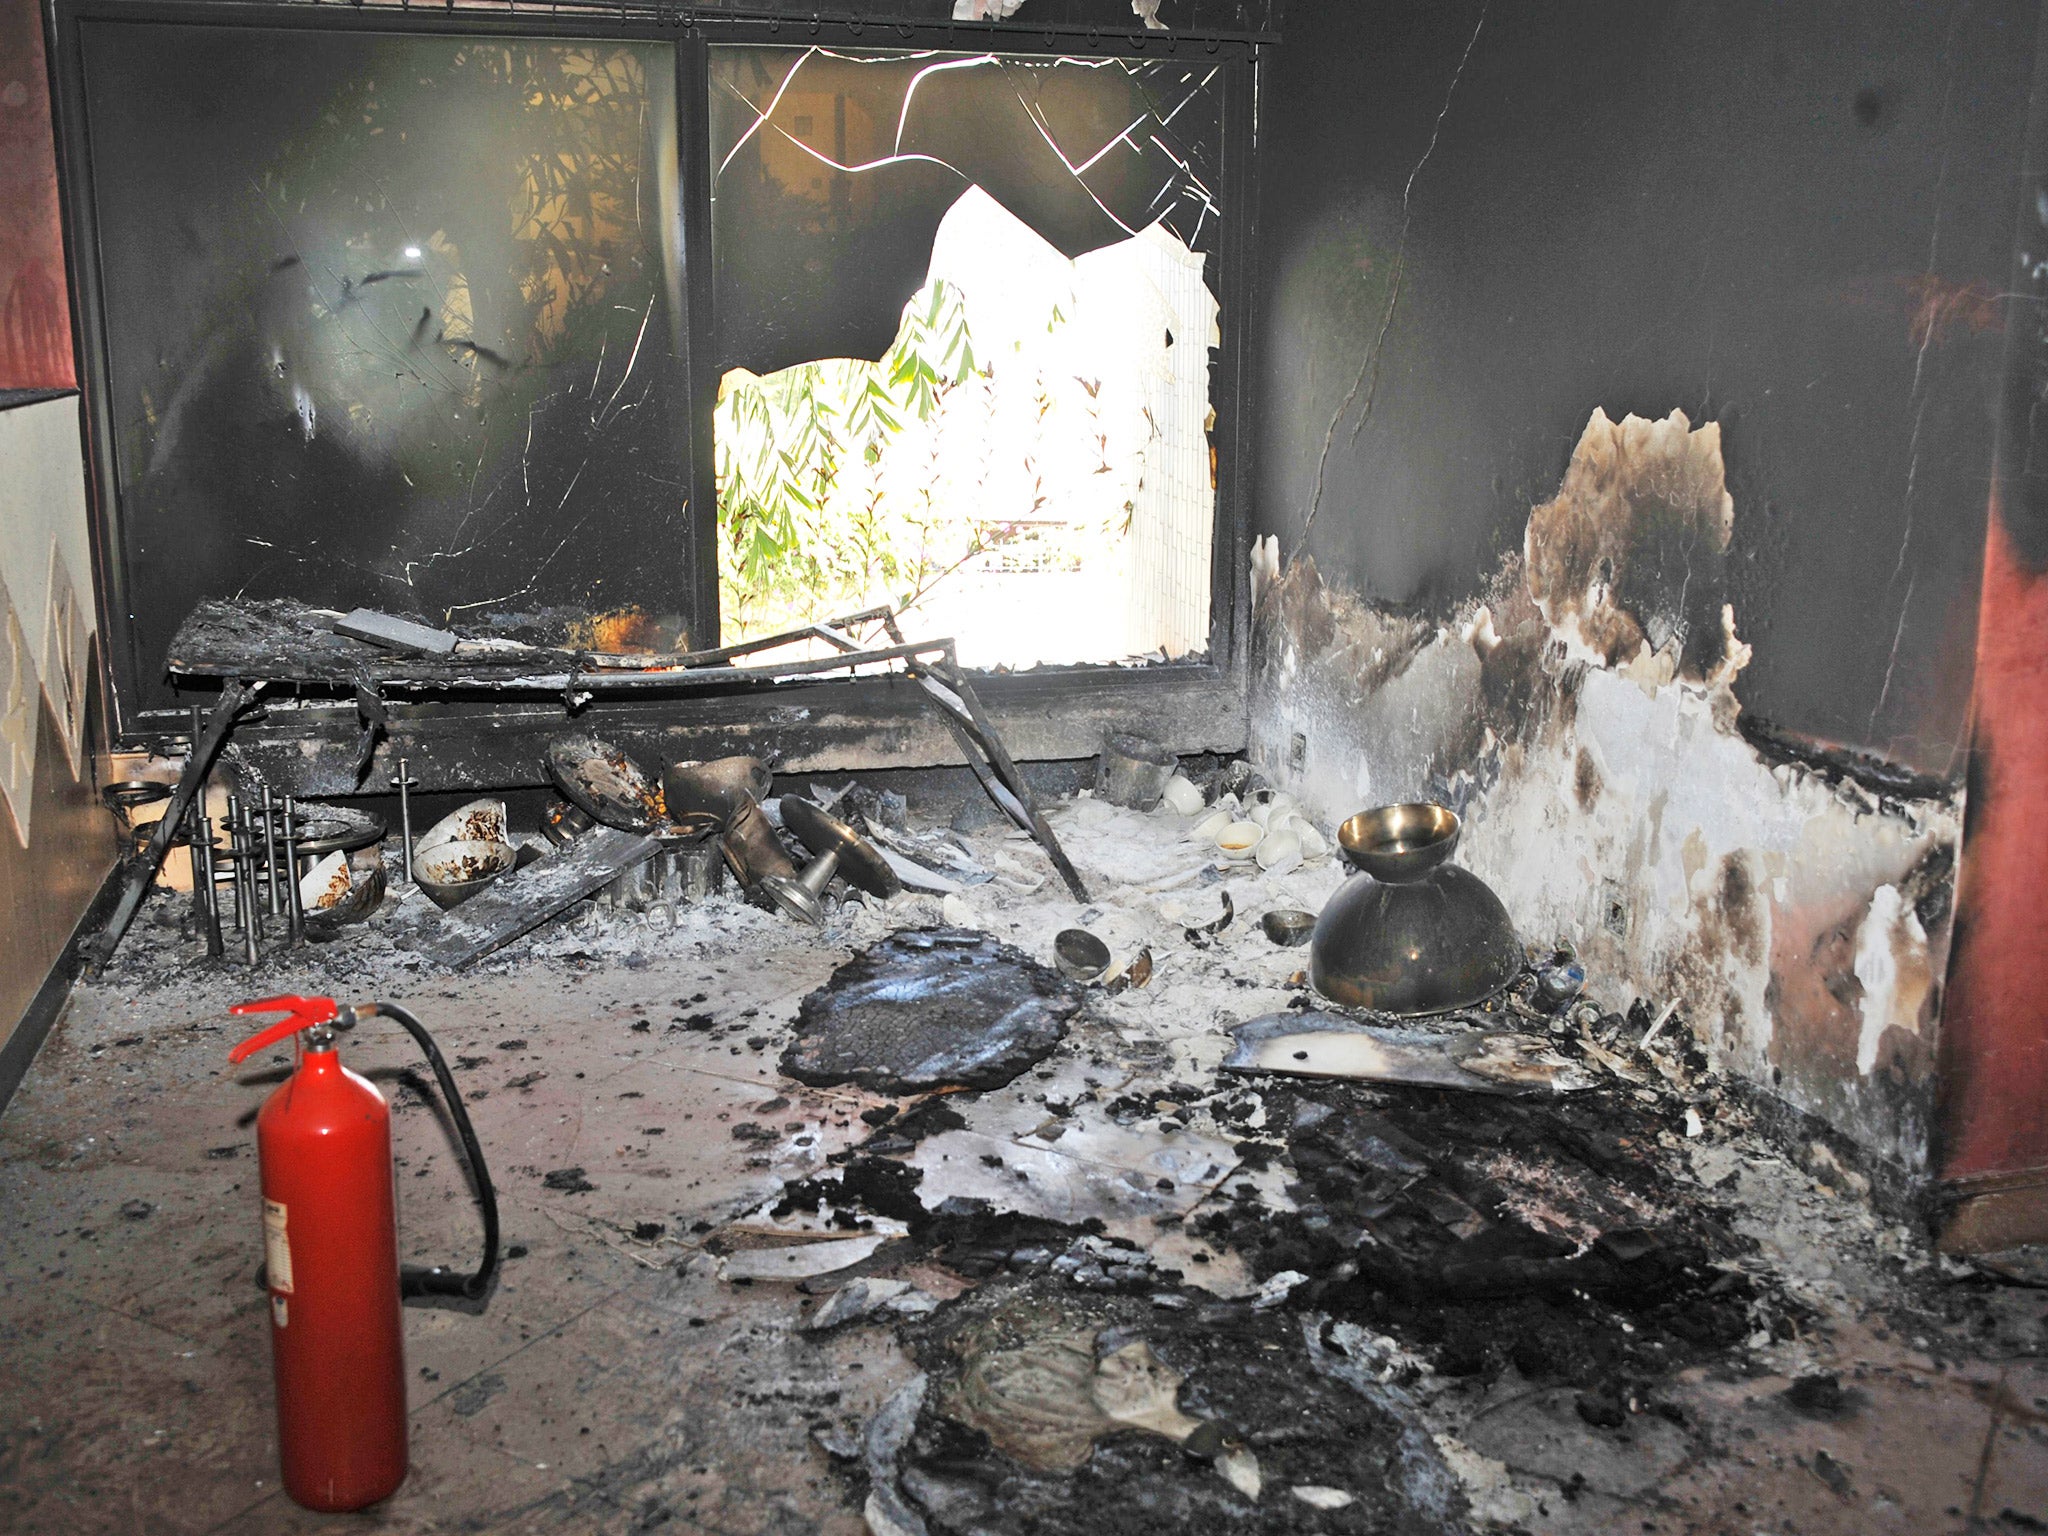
[
  {"x": 1790, "y": 220},
  {"x": 1628, "y": 396}
]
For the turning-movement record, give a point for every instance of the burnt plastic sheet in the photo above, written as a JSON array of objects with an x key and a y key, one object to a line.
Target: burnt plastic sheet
[
  {"x": 393, "y": 322},
  {"x": 832, "y": 168},
  {"x": 931, "y": 1007}
]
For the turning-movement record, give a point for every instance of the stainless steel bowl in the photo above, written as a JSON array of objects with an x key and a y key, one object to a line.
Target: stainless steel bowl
[
  {"x": 1079, "y": 954},
  {"x": 1410, "y": 933},
  {"x": 1400, "y": 842},
  {"x": 1288, "y": 926}
]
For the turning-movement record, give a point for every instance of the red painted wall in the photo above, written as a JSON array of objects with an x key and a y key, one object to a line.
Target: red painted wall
[
  {"x": 1994, "y": 1030},
  {"x": 35, "y": 315}
]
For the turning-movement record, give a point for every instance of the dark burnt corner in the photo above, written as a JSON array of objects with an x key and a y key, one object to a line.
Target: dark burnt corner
[{"x": 1023, "y": 767}]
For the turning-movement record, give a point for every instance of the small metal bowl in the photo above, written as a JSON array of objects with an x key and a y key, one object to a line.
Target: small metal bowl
[
  {"x": 562, "y": 823},
  {"x": 453, "y": 872},
  {"x": 1288, "y": 926},
  {"x": 1400, "y": 843},
  {"x": 1134, "y": 772},
  {"x": 1079, "y": 954},
  {"x": 354, "y": 896},
  {"x": 699, "y": 790},
  {"x": 479, "y": 821}
]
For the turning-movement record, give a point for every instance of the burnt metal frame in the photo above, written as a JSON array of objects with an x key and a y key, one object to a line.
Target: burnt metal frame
[{"x": 1168, "y": 693}]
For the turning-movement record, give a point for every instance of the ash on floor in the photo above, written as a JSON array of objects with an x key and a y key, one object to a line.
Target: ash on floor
[{"x": 1123, "y": 1291}]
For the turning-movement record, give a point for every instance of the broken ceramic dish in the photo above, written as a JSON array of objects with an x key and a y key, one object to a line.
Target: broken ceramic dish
[
  {"x": 326, "y": 885},
  {"x": 1272, "y": 812},
  {"x": 1278, "y": 852},
  {"x": 1313, "y": 844}
]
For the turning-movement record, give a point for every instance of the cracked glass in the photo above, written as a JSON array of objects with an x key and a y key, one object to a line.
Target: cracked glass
[
  {"x": 965, "y": 313},
  {"x": 394, "y": 322}
]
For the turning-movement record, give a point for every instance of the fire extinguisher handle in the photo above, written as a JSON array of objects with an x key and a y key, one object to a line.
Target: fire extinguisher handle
[{"x": 303, "y": 1013}]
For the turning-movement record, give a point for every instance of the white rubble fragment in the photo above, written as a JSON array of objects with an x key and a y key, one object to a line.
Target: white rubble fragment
[
  {"x": 1317, "y": 1497},
  {"x": 856, "y": 1298},
  {"x": 1277, "y": 1288},
  {"x": 876, "y": 1513},
  {"x": 1240, "y": 1468},
  {"x": 800, "y": 1261}
]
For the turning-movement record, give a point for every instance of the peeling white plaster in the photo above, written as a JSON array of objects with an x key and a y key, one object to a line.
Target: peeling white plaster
[
  {"x": 1614, "y": 804},
  {"x": 1893, "y": 964}
]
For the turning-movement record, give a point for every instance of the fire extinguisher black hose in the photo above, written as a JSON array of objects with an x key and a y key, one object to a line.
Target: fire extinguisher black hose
[{"x": 438, "y": 1281}]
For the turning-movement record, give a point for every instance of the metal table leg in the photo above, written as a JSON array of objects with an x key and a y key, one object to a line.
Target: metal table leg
[{"x": 235, "y": 697}]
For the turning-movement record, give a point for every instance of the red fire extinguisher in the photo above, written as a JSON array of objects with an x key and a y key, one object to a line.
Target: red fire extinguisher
[{"x": 330, "y": 1238}]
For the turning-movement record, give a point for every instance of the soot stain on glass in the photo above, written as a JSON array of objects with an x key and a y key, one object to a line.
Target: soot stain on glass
[{"x": 394, "y": 322}]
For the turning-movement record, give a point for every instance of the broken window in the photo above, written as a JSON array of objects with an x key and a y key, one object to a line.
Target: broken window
[
  {"x": 392, "y": 321},
  {"x": 965, "y": 308}
]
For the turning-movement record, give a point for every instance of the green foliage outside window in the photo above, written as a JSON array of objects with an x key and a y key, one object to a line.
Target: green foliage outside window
[{"x": 789, "y": 550}]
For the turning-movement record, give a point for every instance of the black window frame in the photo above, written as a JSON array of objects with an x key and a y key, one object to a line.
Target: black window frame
[{"x": 1048, "y": 712}]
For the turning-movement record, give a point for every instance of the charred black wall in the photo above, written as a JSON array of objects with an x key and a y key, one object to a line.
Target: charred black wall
[{"x": 1482, "y": 219}]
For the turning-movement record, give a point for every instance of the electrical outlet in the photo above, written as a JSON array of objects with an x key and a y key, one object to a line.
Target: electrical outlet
[{"x": 1614, "y": 908}]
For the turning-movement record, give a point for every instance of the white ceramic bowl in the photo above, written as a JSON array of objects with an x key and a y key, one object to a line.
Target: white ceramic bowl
[
  {"x": 1181, "y": 797},
  {"x": 1278, "y": 852},
  {"x": 1313, "y": 844},
  {"x": 1240, "y": 839},
  {"x": 1271, "y": 813}
]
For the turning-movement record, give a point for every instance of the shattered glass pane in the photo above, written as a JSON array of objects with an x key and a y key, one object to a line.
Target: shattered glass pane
[
  {"x": 394, "y": 322},
  {"x": 964, "y": 316}
]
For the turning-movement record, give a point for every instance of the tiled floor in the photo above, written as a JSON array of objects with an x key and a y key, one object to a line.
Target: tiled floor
[
  {"x": 599, "y": 1389},
  {"x": 615, "y": 1383}
]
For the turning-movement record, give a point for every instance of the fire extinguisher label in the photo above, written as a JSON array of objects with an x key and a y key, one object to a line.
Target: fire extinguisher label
[
  {"x": 280, "y": 1311},
  {"x": 277, "y": 1246}
]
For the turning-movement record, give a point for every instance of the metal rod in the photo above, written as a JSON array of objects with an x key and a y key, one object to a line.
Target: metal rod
[
  {"x": 234, "y": 826},
  {"x": 404, "y": 783},
  {"x": 272, "y": 895},
  {"x": 297, "y": 922},
  {"x": 202, "y": 898},
  {"x": 214, "y": 891},
  {"x": 203, "y": 850},
  {"x": 251, "y": 952},
  {"x": 234, "y": 698},
  {"x": 591, "y": 677}
]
